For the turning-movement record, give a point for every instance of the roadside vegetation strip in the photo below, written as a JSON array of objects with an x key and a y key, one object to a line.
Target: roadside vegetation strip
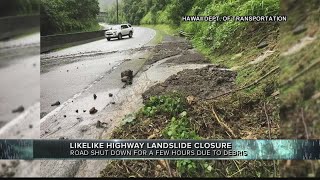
[
  {"x": 59, "y": 16},
  {"x": 172, "y": 116},
  {"x": 248, "y": 109},
  {"x": 163, "y": 117},
  {"x": 299, "y": 80}
]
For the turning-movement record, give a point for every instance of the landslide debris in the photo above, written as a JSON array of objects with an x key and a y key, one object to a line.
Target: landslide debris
[
  {"x": 202, "y": 83},
  {"x": 168, "y": 49},
  {"x": 189, "y": 57}
]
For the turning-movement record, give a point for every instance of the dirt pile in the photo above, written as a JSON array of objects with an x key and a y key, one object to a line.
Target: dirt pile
[
  {"x": 189, "y": 56},
  {"x": 246, "y": 118},
  {"x": 168, "y": 49},
  {"x": 201, "y": 83}
]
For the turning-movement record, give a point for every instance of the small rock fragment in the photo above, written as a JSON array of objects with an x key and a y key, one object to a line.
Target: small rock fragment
[
  {"x": 98, "y": 125},
  {"x": 93, "y": 110},
  {"x": 84, "y": 128},
  {"x": 84, "y": 110},
  {"x": 77, "y": 111},
  {"x": 220, "y": 80},
  {"x": 10, "y": 174},
  {"x": 94, "y": 96},
  {"x": 190, "y": 99},
  {"x": 67, "y": 70},
  {"x": 64, "y": 116},
  {"x": 30, "y": 126},
  {"x": 18, "y": 110},
  {"x": 152, "y": 136},
  {"x": 110, "y": 94},
  {"x": 316, "y": 96},
  {"x": 262, "y": 45},
  {"x": 113, "y": 102},
  {"x": 299, "y": 29},
  {"x": 56, "y": 103}
]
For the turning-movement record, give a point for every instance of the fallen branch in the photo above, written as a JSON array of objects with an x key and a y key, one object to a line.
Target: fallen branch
[
  {"x": 182, "y": 33},
  {"x": 269, "y": 129},
  {"x": 249, "y": 85},
  {"x": 223, "y": 124},
  {"x": 169, "y": 168},
  {"x": 265, "y": 112},
  {"x": 304, "y": 123},
  {"x": 129, "y": 168},
  {"x": 301, "y": 73}
]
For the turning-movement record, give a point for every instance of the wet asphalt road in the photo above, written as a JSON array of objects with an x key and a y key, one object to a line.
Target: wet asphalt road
[
  {"x": 20, "y": 75},
  {"x": 141, "y": 36},
  {"x": 65, "y": 81}
]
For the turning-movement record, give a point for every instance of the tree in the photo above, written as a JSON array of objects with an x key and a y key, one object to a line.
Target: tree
[
  {"x": 63, "y": 16},
  {"x": 18, "y": 7}
]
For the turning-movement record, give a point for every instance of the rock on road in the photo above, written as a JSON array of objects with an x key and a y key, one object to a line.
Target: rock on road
[
  {"x": 71, "y": 78},
  {"x": 64, "y": 80},
  {"x": 20, "y": 88}
]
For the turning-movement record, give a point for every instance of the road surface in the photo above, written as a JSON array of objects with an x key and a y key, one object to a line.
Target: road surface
[
  {"x": 20, "y": 86},
  {"x": 20, "y": 75},
  {"x": 74, "y": 77},
  {"x": 61, "y": 80}
]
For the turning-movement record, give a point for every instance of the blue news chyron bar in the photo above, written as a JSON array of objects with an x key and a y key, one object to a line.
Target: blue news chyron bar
[{"x": 279, "y": 149}]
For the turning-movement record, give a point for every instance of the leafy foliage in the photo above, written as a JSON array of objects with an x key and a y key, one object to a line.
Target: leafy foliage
[
  {"x": 207, "y": 35},
  {"x": 18, "y": 7},
  {"x": 167, "y": 104},
  {"x": 64, "y": 16}
]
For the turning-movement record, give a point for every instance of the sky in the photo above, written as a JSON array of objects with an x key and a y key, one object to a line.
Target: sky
[{"x": 105, "y": 3}]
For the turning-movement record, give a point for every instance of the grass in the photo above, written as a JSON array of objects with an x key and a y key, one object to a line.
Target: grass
[
  {"x": 244, "y": 107},
  {"x": 162, "y": 30},
  {"x": 171, "y": 117},
  {"x": 299, "y": 112},
  {"x": 244, "y": 110}
]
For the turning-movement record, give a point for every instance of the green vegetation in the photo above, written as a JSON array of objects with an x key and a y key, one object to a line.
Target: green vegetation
[
  {"x": 19, "y": 7},
  {"x": 208, "y": 37},
  {"x": 162, "y": 30},
  {"x": 300, "y": 85},
  {"x": 246, "y": 112},
  {"x": 68, "y": 16},
  {"x": 264, "y": 101},
  {"x": 163, "y": 104},
  {"x": 170, "y": 116}
]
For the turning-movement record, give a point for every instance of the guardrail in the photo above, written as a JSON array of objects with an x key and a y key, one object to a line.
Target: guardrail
[
  {"x": 52, "y": 42},
  {"x": 15, "y": 25}
]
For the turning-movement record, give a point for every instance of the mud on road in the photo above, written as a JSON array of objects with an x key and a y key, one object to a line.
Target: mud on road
[
  {"x": 197, "y": 83},
  {"x": 202, "y": 83},
  {"x": 205, "y": 82}
]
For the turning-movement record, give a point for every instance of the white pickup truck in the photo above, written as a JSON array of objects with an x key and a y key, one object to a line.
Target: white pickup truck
[{"x": 118, "y": 31}]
